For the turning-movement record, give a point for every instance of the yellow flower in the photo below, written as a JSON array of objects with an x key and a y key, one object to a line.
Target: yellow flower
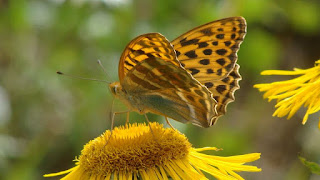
[
  {"x": 136, "y": 152},
  {"x": 292, "y": 94}
]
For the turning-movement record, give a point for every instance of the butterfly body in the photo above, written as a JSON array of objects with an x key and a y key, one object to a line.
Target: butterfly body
[{"x": 191, "y": 79}]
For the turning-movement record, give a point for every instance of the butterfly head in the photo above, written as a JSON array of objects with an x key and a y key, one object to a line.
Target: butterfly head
[{"x": 115, "y": 88}]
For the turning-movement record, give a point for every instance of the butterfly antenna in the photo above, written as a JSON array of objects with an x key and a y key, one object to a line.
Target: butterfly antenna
[
  {"x": 78, "y": 77},
  {"x": 104, "y": 69}
]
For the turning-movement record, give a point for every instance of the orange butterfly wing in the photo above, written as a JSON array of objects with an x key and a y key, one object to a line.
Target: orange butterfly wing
[
  {"x": 151, "y": 45},
  {"x": 209, "y": 53}
]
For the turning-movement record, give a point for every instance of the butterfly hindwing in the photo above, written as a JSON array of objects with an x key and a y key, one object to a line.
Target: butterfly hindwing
[
  {"x": 166, "y": 89},
  {"x": 183, "y": 107},
  {"x": 209, "y": 53}
]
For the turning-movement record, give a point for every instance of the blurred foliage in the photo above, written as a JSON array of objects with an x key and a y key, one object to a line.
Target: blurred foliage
[
  {"x": 314, "y": 167},
  {"x": 45, "y": 119}
]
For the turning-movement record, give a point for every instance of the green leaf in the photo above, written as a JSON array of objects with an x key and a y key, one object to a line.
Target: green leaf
[{"x": 314, "y": 167}]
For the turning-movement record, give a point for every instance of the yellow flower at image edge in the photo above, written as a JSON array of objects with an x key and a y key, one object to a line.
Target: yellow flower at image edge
[
  {"x": 136, "y": 152},
  {"x": 292, "y": 94}
]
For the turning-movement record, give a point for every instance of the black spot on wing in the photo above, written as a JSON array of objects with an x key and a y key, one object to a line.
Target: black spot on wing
[
  {"x": 235, "y": 47},
  {"x": 177, "y": 53},
  {"x": 183, "y": 42},
  {"x": 220, "y": 36},
  {"x": 207, "y": 32},
  {"x": 202, "y": 44},
  {"x": 219, "y": 72},
  {"x": 191, "y": 54},
  {"x": 227, "y": 43},
  {"x": 207, "y": 51},
  {"x": 221, "y": 61},
  {"x": 221, "y": 52},
  {"x": 225, "y": 79},
  {"x": 229, "y": 66},
  {"x": 209, "y": 71},
  {"x": 221, "y": 88},
  {"x": 233, "y": 83},
  {"x": 232, "y": 57},
  {"x": 208, "y": 84},
  {"x": 194, "y": 71},
  {"x": 204, "y": 61}
]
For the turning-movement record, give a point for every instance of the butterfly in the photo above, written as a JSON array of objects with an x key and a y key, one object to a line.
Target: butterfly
[{"x": 191, "y": 79}]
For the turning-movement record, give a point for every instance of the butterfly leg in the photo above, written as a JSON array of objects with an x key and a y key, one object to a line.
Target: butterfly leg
[
  {"x": 145, "y": 115},
  {"x": 168, "y": 122},
  {"x": 127, "y": 121},
  {"x": 112, "y": 124}
]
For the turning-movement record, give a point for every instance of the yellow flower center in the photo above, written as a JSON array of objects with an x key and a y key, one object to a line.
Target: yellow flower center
[{"x": 133, "y": 148}]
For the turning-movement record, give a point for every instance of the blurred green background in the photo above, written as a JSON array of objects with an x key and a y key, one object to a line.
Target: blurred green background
[{"x": 45, "y": 119}]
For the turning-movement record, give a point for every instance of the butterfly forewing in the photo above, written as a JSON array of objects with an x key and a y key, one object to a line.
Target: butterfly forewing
[
  {"x": 209, "y": 53},
  {"x": 143, "y": 47},
  {"x": 210, "y": 50}
]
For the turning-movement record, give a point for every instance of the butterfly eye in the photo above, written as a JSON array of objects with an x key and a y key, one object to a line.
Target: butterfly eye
[{"x": 113, "y": 88}]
